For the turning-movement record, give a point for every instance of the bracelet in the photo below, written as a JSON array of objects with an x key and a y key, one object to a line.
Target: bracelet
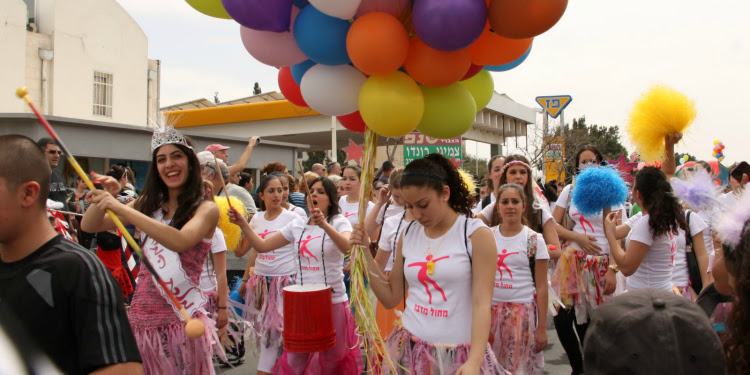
[
  {"x": 614, "y": 267},
  {"x": 245, "y": 280},
  {"x": 222, "y": 308}
]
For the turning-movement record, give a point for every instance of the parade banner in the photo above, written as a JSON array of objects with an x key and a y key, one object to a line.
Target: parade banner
[{"x": 418, "y": 145}]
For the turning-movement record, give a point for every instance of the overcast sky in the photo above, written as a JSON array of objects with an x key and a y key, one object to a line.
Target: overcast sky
[{"x": 602, "y": 53}]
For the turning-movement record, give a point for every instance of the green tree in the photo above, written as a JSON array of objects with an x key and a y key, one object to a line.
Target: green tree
[
  {"x": 475, "y": 166},
  {"x": 322, "y": 158},
  {"x": 579, "y": 134}
]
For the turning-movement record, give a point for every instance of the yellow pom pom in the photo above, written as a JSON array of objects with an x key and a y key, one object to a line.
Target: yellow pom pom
[
  {"x": 468, "y": 180},
  {"x": 232, "y": 233},
  {"x": 660, "y": 111}
]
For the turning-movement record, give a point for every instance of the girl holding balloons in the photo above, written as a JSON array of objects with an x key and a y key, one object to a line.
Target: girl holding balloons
[{"x": 446, "y": 323}]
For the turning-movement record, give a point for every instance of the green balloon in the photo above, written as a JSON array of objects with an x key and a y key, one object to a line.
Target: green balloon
[
  {"x": 449, "y": 111},
  {"x": 481, "y": 87},
  {"x": 212, "y": 8}
]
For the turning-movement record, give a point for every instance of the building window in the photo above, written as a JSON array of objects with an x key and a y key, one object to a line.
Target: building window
[{"x": 102, "y": 94}]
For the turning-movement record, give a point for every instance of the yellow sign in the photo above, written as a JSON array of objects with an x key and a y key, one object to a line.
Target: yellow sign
[
  {"x": 554, "y": 159},
  {"x": 554, "y": 104}
]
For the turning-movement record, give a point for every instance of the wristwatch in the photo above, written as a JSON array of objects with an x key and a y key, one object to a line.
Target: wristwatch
[{"x": 614, "y": 267}]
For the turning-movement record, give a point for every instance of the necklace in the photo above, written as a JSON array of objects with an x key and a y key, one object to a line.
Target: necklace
[{"x": 430, "y": 255}]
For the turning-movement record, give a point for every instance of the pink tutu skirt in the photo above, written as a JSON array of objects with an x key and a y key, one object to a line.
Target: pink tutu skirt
[
  {"x": 416, "y": 357},
  {"x": 344, "y": 358},
  {"x": 513, "y": 337},
  {"x": 578, "y": 280},
  {"x": 264, "y": 308}
]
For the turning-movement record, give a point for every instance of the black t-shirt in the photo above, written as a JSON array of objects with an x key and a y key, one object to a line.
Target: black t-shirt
[
  {"x": 57, "y": 190},
  {"x": 70, "y": 305}
]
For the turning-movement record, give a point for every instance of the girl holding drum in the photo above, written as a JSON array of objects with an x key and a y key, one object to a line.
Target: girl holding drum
[{"x": 321, "y": 244}]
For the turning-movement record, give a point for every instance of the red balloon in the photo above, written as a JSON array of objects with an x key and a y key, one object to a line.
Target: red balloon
[
  {"x": 518, "y": 19},
  {"x": 289, "y": 88},
  {"x": 473, "y": 70},
  {"x": 353, "y": 122}
]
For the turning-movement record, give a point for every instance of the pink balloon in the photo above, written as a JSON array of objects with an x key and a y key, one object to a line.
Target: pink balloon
[
  {"x": 271, "y": 48},
  {"x": 393, "y": 7}
]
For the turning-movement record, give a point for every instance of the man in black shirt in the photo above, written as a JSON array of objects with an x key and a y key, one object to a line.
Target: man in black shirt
[
  {"x": 57, "y": 191},
  {"x": 63, "y": 296}
]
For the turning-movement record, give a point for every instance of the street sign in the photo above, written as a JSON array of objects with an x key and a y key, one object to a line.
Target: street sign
[
  {"x": 418, "y": 145},
  {"x": 554, "y": 105}
]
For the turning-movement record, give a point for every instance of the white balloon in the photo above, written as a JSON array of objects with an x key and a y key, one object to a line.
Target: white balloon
[
  {"x": 344, "y": 9},
  {"x": 332, "y": 90}
]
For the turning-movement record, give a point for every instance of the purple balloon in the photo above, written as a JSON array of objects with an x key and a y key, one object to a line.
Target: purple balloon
[
  {"x": 449, "y": 25},
  {"x": 261, "y": 15}
]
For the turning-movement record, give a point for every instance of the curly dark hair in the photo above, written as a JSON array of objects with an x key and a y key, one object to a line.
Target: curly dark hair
[
  {"x": 738, "y": 322},
  {"x": 532, "y": 215},
  {"x": 665, "y": 211},
  {"x": 155, "y": 192},
  {"x": 461, "y": 200}
]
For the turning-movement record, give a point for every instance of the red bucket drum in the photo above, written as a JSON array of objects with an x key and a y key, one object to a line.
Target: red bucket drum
[{"x": 308, "y": 318}]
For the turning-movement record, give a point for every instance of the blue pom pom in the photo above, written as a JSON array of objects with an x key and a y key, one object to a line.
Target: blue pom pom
[{"x": 597, "y": 188}]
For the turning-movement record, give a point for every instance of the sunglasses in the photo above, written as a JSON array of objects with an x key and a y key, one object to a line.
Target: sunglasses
[{"x": 53, "y": 152}]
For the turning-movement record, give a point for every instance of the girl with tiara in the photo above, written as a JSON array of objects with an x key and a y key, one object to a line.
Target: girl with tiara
[
  {"x": 177, "y": 223},
  {"x": 320, "y": 245},
  {"x": 263, "y": 285},
  {"x": 585, "y": 275},
  {"x": 446, "y": 322},
  {"x": 517, "y": 170},
  {"x": 519, "y": 337}
]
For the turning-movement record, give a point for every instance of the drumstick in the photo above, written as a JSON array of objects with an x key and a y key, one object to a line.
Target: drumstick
[
  {"x": 194, "y": 327},
  {"x": 221, "y": 178},
  {"x": 310, "y": 202}
]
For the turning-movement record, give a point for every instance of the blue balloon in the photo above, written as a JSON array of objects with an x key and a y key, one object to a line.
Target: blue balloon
[
  {"x": 299, "y": 70},
  {"x": 321, "y": 37},
  {"x": 510, "y": 65}
]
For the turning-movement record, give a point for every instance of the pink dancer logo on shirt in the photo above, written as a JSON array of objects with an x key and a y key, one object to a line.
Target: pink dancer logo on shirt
[
  {"x": 349, "y": 214},
  {"x": 424, "y": 279},
  {"x": 266, "y": 233},
  {"x": 303, "y": 248},
  {"x": 582, "y": 220},
  {"x": 501, "y": 263}
]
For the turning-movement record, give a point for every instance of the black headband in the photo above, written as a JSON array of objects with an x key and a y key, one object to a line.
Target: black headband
[{"x": 424, "y": 174}]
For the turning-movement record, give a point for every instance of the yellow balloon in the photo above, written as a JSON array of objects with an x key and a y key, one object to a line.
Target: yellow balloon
[
  {"x": 449, "y": 111},
  {"x": 481, "y": 87},
  {"x": 391, "y": 105},
  {"x": 213, "y": 8}
]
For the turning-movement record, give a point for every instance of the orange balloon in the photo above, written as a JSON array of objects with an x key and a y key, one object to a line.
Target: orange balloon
[
  {"x": 377, "y": 43},
  {"x": 524, "y": 19},
  {"x": 493, "y": 49},
  {"x": 435, "y": 68}
]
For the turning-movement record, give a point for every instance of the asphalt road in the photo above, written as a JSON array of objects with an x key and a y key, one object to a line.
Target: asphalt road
[{"x": 556, "y": 363}]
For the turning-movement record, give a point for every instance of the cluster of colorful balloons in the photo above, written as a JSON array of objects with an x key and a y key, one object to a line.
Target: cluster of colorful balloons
[
  {"x": 391, "y": 65},
  {"x": 719, "y": 150}
]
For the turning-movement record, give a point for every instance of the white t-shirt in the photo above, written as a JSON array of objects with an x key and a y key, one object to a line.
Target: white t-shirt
[
  {"x": 208, "y": 275},
  {"x": 634, "y": 219},
  {"x": 655, "y": 271},
  {"x": 438, "y": 307},
  {"x": 279, "y": 262},
  {"x": 487, "y": 213},
  {"x": 707, "y": 218},
  {"x": 589, "y": 225},
  {"x": 299, "y": 211},
  {"x": 680, "y": 275},
  {"x": 389, "y": 236},
  {"x": 314, "y": 256},
  {"x": 393, "y": 209},
  {"x": 513, "y": 280},
  {"x": 350, "y": 211}
]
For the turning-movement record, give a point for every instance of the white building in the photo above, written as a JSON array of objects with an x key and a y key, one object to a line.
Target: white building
[{"x": 86, "y": 66}]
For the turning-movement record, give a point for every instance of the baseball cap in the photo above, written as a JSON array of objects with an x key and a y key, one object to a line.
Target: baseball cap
[
  {"x": 651, "y": 331},
  {"x": 215, "y": 147},
  {"x": 204, "y": 157}
]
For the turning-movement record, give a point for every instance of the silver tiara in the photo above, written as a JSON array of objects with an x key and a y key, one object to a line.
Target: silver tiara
[{"x": 166, "y": 134}]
